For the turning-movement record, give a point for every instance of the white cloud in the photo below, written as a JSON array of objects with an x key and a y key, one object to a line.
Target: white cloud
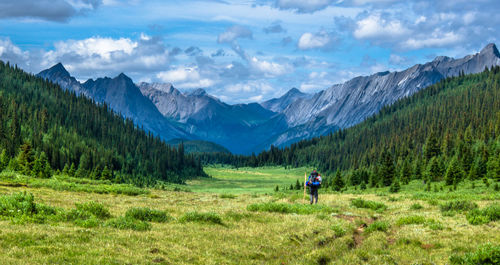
[
  {"x": 269, "y": 69},
  {"x": 436, "y": 39},
  {"x": 233, "y": 33},
  {"x": 104, "y": 48},
  {"x": 376, "y": 27},
  {"x": 318, "y": 40},
  {"x": 185, "y": 78}
]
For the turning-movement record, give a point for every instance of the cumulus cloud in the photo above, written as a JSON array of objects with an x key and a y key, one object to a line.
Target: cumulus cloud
[
  {"x": 436, "y": 39},
  {"x": 320, "y": 40},
  {"x": 233, "y": 33},
  {"x": 109, "y": 56},
  {"x": 52, "y": 10},
  {"x": 376, "y": 27},
  {"x": 12, "y": 53},
  {"x": 186, "y": 78},
  {"x": 302, "y": 6}
]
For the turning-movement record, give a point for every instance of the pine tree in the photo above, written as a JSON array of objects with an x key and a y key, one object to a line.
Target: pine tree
[
  {"x": 65, "y": 170},
  {"x": 37, "y": 168},
  {"x": 405, "y": 172},
  {"x": 26, "y": 159},
  {"x": 395, "y": 187},
  {"x": 106, "y": 173},
  {"x": 434, "y": 171},
  {"x": 338, "y": 182},
  {"x": 493, "y": 167},
  {"x": 297, "y": 185},
  {"x": 4, "y": 160},
  {"x": 72, "y": 170},
  {"x": 432, "y": 147},
  {"x": 363, "y": 186},
  {"x": 454, "y": 173},
  {"x": 387, "y": 168}
]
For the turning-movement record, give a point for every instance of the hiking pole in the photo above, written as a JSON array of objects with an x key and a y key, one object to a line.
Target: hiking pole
[{"x": 305, "y": 179}]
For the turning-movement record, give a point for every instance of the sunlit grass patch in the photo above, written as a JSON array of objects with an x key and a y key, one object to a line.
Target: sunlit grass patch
[
  {"x": 274, "y": 207},
  {"x": 124, "y": 223},
  {"x": 376, "y": 206},
  {"x": 485, "y": 215}
]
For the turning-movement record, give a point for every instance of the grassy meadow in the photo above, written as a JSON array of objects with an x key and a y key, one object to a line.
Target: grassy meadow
[{"x": 237, "y": 218}]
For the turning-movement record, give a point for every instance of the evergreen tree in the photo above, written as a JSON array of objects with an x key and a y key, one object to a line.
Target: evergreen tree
[
  {"x": 405, "y": 174},
  {"x": 37, "y": 168},
  {"x": 338, "y": 182},
  {"x": 106, "y": 173},
  {"x": 26, "y": 159},
  {"x": 493, "y": 167},
  {"x": 395, "y": 187},
  {"x": 434, "y": 171},
  {"x": 297, "y": 185},
  {"x": 432, "y": 146},
  {"x": 65, "y": 170},
  {"x": 387, "y": 168},
  {"x": 454, "y": 173},
  {"x": 4, "y": 160},
  {"x": 72, "y": 170}
]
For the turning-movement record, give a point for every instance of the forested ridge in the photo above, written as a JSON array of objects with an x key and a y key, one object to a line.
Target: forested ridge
[
  {"x": 45, "y": 129},
  {"x": 448, "y": 131}
]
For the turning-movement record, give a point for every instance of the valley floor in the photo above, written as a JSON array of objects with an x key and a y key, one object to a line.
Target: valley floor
[{"x": 255, "y": 228}]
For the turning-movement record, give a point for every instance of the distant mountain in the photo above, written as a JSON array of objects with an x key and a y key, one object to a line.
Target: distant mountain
[
  {"x": 347, "y": 104},
  {"x": 59, "y": 75},
  {"x": 233, "y": 126},
  {"x": 281, "y": 103},
  {"x": 121, "y": 95},
  {"x": 246, "y": 128}
]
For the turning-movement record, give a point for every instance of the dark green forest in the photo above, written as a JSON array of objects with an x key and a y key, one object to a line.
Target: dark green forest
[
  {"x": 448, "y": 131},
  {"x": 45, "y": 129}
]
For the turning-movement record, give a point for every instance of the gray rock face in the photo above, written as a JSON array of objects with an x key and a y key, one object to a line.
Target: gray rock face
[
  {"x": 59, "y": 75},
  {"x": 347, "y": 104},
  {"x": 122, "y": 96},
  {"x": 237, "y": 127},
  {"x": 244, "y": 128},
  {"x": 280, "y": 104}
]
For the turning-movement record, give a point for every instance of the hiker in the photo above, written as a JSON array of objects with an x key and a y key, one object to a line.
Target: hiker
[{"x": 314, "y": 183}]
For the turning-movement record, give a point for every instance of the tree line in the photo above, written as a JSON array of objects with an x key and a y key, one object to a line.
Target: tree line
[
  {"x": 448, "y": 132},
  {"x": 45, "y": 129}
]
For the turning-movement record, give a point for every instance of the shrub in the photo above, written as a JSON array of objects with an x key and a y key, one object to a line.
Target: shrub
[
  {"x": 88, "y": 210},
  {"x": 209, "y": 217},
  {"x": 128, "y": 223},
  {"x": 21, "y": 207},
  {"x": 338, "y": 230},
  {"x": 484, "y": 216},
  {"x": 485, "y": 254},
  {"x": 289, "y": 208},
  {"x": 149, "y": 215},
  {"x": 360, "y": 203},
  {"x": 410, "y": 220},
  {"x": 227, "y": 196},
  {"x": 416, "y": 206},
  {"x": 459, "y": 205},
  {"x": 377, "y": 226}
]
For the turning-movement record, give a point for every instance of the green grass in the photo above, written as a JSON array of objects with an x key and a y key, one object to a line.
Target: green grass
[
  {"x": 484, "y": 216},
  {"x": 376, "y": 206},
  {"x": 246, "y": 180},
  {"x": 488, "y": 254},
  {"x": 149, "y": 215},
  {"x": 228, "y": 226},
  {"x": 205, "y": 217},
  {"x": 274, "y": 207}
]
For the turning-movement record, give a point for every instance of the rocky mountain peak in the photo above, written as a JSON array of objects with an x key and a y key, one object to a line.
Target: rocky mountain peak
[
  {"x": 490, "y": 49},
  {"x": 198, "y": 92}
]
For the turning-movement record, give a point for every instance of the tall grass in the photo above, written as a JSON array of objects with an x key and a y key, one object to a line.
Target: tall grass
[
  {"x": 376, "y": 206},
  {"x": 289, "y": 208}
]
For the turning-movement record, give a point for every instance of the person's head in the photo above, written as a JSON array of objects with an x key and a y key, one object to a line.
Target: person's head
[{"x": 314, "y": 173}]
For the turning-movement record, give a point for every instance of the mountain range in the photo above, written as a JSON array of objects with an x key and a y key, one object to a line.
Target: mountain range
[{"x": 244, "y": 128}]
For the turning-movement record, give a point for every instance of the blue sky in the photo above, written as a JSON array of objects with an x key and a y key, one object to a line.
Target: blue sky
[{"x": 241, "y": 51}]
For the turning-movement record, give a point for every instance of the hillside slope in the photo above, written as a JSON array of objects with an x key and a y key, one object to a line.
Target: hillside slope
[{"x": 42, "y": 125}]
